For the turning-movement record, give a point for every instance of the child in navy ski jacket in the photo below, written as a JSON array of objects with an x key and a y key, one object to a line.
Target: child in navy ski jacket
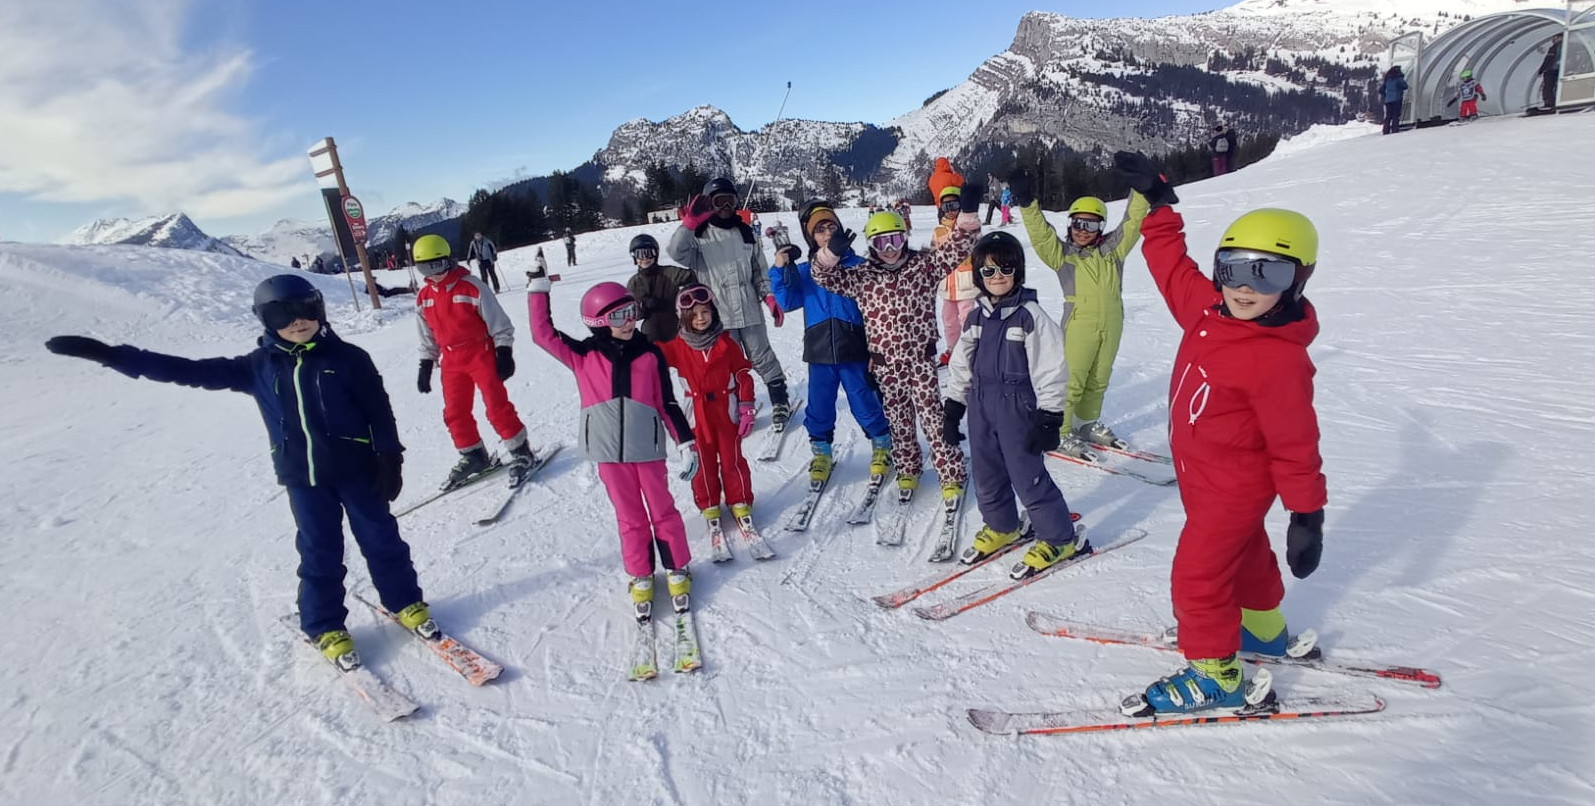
[{"x": 334, "y": 445}]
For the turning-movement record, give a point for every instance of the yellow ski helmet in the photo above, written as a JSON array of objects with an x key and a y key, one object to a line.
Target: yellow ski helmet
[
  {"x": 1282, "y": 232},
  {"x": 429, "y": 248},
  {"x": 883, "y": 222},
  {"x": 1091, "y": 205}
]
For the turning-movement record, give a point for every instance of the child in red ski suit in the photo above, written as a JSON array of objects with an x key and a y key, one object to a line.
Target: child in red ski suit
[
  {"x": 1242, "y": 430},
  {"x": 717, "y": 374},
  {"x": 627, "y": 408},
  {"x": 896, "y": 292}
]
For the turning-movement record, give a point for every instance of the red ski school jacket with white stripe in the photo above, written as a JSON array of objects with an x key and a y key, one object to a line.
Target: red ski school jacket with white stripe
[
  {"x": 458, "y": 313},
  {"x": 1241, "y": 420}
]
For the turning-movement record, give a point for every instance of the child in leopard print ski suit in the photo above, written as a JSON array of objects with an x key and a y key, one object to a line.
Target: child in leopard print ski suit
[{"x": 896, "y": 291}]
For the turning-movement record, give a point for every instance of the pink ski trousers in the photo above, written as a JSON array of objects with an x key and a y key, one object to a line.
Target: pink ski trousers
[
  {"x": 647, "y": 516},
  {"x": 953, "y": 312}
]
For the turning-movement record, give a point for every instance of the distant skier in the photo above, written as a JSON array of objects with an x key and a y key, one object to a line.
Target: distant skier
[
  {"x": 334, "y": 446},
  {"x": 1243, "y": 432},
  {"x": 1007, "y": 372},
  {"x": 1550, "y": 72},
  {"x": 726, "y": 255},
  {"x": 627, "y": 407},
  {"x": 719, "y": 379},
  {"x": 1470, "y": 92},
  {"x": 293, "y": 263},
  {"x": 1007, "y": 204},
  {"x": 570, "y": 248},
  {"x": 485, "y": 254},
  {"x": 655, "y": 288},
  {"x": 318, "y": 266},
  {"x": 463, "y": 328},
  {"x": 834, "y": 347},
  {"x": 1394, "y": 90},
  {"x": 958, "y": 289},
  {"x": 1222, "y": 145},
  {"x": 1090, "y": 267}
]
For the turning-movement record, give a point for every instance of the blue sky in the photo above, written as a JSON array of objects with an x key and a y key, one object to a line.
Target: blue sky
[{"x": 140, "y": 107}]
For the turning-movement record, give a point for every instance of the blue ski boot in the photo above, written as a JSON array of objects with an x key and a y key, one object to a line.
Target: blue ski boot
[{"x": 1207, "y": 684}]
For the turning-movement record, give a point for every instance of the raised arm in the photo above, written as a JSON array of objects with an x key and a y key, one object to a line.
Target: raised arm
[
  {"x": 1129, "y": 230},
  {"x": 684, "y": 248},
  {"x": 544, "y": 334}
]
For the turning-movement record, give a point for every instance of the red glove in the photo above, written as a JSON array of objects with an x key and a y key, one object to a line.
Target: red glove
[
  {"x": 745, "y": 415},
  {"x": 775, "y": 310},
  {"x": 696, "y": 213}
]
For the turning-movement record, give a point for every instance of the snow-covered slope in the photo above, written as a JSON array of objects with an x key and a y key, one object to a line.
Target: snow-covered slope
[
  {"x": 173, "y": 231},
  {"x": 149, "y": 556}
]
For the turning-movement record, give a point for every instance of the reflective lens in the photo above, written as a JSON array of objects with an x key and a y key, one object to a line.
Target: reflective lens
[
  {"x": 644, "y": 254},
  {"x": 282, "y": 313},
  {"x": 697, "y": 295},
  {"x": 889, "y": 242},
  {"x": 950, "y": 205},
  {"x": 622, "y": 315},
  {"x": 1265, "y": 272},
  {"x": 1086, "y": 224},
  {"x": 991, "y": 271}
]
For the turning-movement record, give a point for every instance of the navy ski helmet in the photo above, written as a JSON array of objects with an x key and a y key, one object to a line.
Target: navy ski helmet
[
  {"x": 1004, "y": 250},
  {"x": 286, "y": 298},
  {"x": 643, "y": 242},
  {"x": 719, "y": 186}
]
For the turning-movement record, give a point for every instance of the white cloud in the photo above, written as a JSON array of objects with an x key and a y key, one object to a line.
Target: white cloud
[{"x": 101, "y": 103}]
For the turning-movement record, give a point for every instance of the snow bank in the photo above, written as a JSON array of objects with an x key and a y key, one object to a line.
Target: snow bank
[{"x": 1321, "y": 133}]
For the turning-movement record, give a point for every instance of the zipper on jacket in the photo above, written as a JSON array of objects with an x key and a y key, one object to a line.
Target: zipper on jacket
[{"x": 299, "y": 395}]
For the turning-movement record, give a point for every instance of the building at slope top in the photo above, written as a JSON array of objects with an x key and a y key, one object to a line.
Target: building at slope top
[{"x": 1504, "y": 51}]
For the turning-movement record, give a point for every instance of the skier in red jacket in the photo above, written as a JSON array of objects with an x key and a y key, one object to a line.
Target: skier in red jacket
[
  {"x": 717, "y": 375},
  {"x": 1243, "y": 432},
  {"x": 463, "y": 327}
]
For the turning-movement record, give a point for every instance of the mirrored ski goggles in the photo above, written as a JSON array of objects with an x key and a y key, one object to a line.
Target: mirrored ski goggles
[
  {"x": 644, "y": 253},
  {"x": 1265, "y": 272},
  {"x": 279, "y": 314},
  {"x": 992, "y": 271},
  {"x": 616, "y": 317},
  {"x": 1086, "y": 224},
  {"x": 949, "y": 205},
  {"x": 889, "y": 242},
  {"x": 697, "y": 295}
]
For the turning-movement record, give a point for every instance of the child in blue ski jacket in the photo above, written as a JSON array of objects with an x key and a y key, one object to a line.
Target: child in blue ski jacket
[
  {"x": 334, "y": 444},
  {"x": 833, "y": 347}
]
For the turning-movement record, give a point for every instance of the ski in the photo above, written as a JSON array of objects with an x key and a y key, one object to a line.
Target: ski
[
  {"x": 1132, "y": 453},
  {"x": 799, "y": 522},
  {"x": 1312, "y": 659},
  {"x": 903, "y": 596},
  {"x": 864, "y": 512},
  {"x": 470, "y": 482},
  {"x": 644, "y": 664},
  {"x": 951, "y": 524},
  {"x": 388, "y": 703},
  {"x": 717, "y": 541},
  {"x": 517, "y": 483},
  {"x": 894, "y": 528},
  {"x": 997, "y": 590},
  {"x": 1004, "y": 723},
  {"x": 775, "y": 438},
  {"x": 687, "y": 656},
  {"x": 1157, "y": 481},
  {"x": 755, "y": 542},
  {"x": 465, "y": 661}
]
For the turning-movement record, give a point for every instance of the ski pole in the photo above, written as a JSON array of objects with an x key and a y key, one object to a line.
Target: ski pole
[{"x": 749, "y": 199}]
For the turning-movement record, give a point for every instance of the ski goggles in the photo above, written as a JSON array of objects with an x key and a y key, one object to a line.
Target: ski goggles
[
  {"x": 723, "y": 200},
  {"x": 889, "y": 242},
  {"x": 1086, "y": 224},
  {"x": 279, "y": 314},
  {"x": 1264, "y": 272},
  {"x": 615, "y": 317},
  {"x": 644, "y": 254},
  {"x": 951, "y": 204},
  {"x": 697, "y": 295},
  {"x": 993, "y": 271}
]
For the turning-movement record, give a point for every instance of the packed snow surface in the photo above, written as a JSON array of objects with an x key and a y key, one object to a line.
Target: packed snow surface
[{"x": 149, "y": 554}]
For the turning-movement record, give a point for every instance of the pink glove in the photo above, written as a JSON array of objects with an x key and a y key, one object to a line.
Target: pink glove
[
  {"x": 696, "y": 212},
  {"x": 775, "y": 309},
  {"x": 745, "y": 414}
]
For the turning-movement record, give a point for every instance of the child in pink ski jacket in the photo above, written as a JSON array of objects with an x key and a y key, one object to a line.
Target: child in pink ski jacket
[{"x": 627, "y": 409}]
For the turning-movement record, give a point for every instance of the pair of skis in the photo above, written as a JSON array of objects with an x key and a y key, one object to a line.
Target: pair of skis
[
  {"x": 757, "y": 546},
  {"x": 1095, "y": 462},
  {"x": 893, "y": 529},
  {"x": 518, "y": 481},
  {"x": 1270, "y": 708},
  {"x": 644, "y": 663},
  {"x": 775, "y": 437},
  {"x": 384, "y": 700}
]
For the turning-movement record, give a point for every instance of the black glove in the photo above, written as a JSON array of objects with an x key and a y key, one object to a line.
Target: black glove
[
  {"x": 841, "y": 243},
  {"x": 1043, "y": 434},
  {"x": 1022, "y": 188},
  {"x": 793, "y": 253},
  {"x": 390, "y": 476},
  {"x": 504, "y": 362},
  {"x": 1304, "y": 543},
  {"x": 1145, "y": 176},
  {"x": 424, "y": 382},
  {"x": 969, "y": 199},
  {"x": 952, "y": 413},
  {"x": 82, "y": 347}
]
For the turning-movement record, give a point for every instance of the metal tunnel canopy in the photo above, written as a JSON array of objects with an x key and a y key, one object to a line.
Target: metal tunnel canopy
[{"x": 1505, "y": 51}]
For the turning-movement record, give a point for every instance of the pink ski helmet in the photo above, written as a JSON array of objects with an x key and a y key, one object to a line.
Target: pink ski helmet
[{"x": 598, "y": 301}]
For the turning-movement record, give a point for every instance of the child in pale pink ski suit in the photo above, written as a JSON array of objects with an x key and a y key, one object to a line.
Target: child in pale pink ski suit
[{"x": 627, "y": 407}]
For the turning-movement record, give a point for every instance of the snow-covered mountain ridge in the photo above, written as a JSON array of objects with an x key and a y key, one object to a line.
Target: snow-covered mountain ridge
[{"x": 174, "y": 231}]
